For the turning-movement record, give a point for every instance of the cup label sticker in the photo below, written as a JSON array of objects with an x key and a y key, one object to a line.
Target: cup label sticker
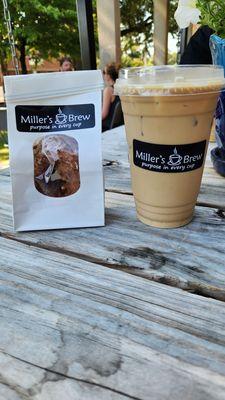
[
  {"x": 168, "y": 158},
  {"x": 55, "y": 118}
]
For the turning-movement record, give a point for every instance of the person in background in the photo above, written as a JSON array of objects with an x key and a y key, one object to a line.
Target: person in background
[
  {"x": 197, "y": 50},
  {"x": 110, "y": 74},
  {"x": 66, "y": 64}
]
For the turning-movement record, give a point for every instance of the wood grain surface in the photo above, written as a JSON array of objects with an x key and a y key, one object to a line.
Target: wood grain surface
[
  {"x": 121, "y": 312},
  {"x": 191, "y": 257},
  {"x": 74, "y": 330}
]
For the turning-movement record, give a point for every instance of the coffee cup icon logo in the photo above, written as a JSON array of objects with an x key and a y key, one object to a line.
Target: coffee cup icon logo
[
  {"x": 60, "y": 118},
  {"x": 175, "y": 158}
]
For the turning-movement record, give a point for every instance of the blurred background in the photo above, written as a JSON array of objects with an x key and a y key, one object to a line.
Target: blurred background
[{"x": 90, "y": 32}]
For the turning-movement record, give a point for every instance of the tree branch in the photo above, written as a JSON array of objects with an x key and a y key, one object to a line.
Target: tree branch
[
  {"x": 139, "y": 28},
  {"x": 136, "y": 28}
]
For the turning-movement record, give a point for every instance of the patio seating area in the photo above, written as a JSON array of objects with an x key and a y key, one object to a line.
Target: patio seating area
[{"x": 125, "y": 310}]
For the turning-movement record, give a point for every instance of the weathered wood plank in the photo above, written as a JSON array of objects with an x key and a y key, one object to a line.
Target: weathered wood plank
[
  {"x": 71, "y": 329},
  {"x": 191, "y": 257},
  {"x": 117, "y": 173},
  {"x": 21, "y": 380},
  {"x": 4, "y": 171}
]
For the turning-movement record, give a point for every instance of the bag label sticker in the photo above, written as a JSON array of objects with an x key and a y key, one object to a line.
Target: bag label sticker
[
  {"x": 168, "y": 158},
  {"x": 54, "y": 118}
]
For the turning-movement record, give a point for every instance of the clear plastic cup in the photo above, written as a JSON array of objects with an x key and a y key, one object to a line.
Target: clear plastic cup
[{"x": 168, "y": 112}]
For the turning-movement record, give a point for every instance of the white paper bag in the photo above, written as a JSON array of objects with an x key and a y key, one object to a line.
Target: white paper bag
[{"x": 54, "y": 128}]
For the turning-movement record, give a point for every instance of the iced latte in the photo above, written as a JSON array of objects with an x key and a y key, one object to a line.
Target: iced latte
[{"x": 168, "y": 114}]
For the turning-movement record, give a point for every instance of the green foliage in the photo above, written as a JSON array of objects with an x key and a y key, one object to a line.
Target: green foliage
[
  {"x": 129, "y": 61},
  {"x": 172, "y": 58},
  {"x": 3, "y": 138},
  {"x": 137, "y": 21},
  {"x": 172, "y": 22},
  {"x": 4, "y": 151},
  {"x": 137, "y": 27},
  {"x": 4, "y": 157},
  {"x": 213, "y": 15},
  {"x": 48, "y": 28},
  {"x": 43, "y": 28}
]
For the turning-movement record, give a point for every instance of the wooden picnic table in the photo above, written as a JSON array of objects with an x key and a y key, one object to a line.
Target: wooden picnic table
[{"x": 121, "y": 312}]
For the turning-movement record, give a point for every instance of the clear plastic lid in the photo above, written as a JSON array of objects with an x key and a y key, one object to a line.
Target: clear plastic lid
[{"x": 169, "y": 80}]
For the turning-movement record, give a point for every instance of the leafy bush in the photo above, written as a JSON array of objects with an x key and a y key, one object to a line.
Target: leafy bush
[{"x": 3, "y": 138}]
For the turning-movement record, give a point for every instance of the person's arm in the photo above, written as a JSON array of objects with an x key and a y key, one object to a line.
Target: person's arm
[{"x": 107, "y": 97}]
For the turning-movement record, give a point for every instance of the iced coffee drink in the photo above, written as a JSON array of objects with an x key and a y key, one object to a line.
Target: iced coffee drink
[{"x": 168, "y": 114}]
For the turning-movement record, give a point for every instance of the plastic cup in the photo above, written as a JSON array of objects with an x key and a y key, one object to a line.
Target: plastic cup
[{"x": 168, "y": 114}]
